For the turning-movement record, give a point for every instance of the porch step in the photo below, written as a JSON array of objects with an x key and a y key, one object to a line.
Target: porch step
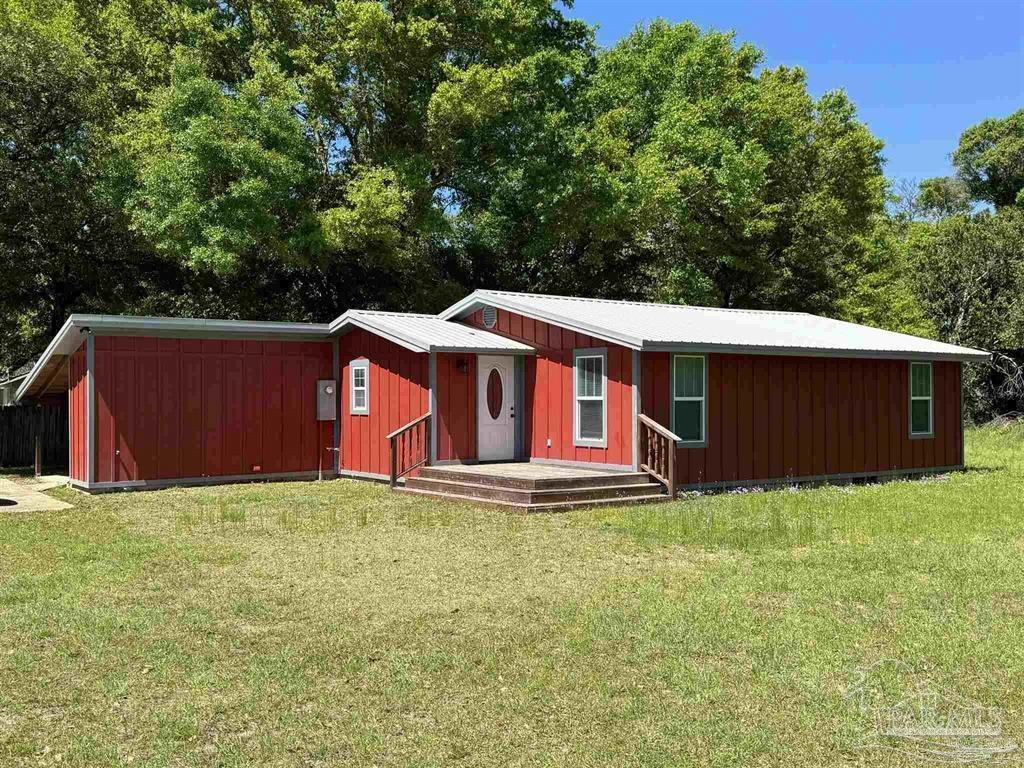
[
  {"x": 532, "y": 489},
  {"x": 559, "y": 506},
  {"x": 534, "y": 495}
]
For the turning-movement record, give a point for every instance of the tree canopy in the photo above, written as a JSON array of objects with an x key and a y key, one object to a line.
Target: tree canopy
[
  {"x": 285, "y": 159},
  {"x": 990, "y": 160}
]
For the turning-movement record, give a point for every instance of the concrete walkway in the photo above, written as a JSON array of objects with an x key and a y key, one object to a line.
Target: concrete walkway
[{"x": 26, "y": 495}]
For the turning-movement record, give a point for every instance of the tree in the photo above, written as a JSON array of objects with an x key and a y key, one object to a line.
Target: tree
[
  {"x": 222, "y": 177},
  {"x": 971, "y": 277},
  {"x": 348, "y": 144},
  {"x": 289, "y": 160},
  {"x": 884, "y": 294},
  {"x": 990, "y": 160},
  {"x": 690, "y": 176},
  {"x": 943, "y": 196},
  {"x": 970, "y": 280},
  {"x": 64, "y": 247}
]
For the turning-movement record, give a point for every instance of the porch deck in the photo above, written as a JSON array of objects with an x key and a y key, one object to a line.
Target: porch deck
[
  {"x": 526, "y": 470},
  {"x": 533, "y": 487}
]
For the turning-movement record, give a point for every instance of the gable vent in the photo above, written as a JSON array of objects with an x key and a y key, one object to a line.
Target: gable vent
[{"x": 490, "y": 317}]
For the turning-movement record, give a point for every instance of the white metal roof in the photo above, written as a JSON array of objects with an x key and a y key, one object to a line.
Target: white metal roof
[
  {"x": 670, "y": 326},
  {"x": 427, "y": 333}
]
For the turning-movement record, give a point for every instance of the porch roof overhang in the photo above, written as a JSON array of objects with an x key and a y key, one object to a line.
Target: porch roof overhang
[
  {"x": 49, "y": 374},
  {"x": 428, "y": 333}
]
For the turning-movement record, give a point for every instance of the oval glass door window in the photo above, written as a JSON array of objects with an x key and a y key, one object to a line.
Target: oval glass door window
[{"x": 494, "y": 394}]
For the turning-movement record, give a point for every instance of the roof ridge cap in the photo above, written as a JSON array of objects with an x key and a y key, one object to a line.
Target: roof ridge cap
[
  {"x": 645, "y": 303},
  {"x": 393, "y": 313}
]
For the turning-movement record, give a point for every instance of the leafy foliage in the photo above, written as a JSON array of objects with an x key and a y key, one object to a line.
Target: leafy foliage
[
  {"x": 220, "y": 175},
  {"x": 63, "y": 246},
  {"x": 702, "y": 181},
  {"x": 944, "y": 196},
  {"x": 990, "y": 160},
  {"x": 289, "y": 160},
  {"x": 971, "y": 284}
]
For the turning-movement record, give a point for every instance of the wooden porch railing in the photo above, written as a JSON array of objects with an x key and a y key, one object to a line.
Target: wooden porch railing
[
  {"x": 410, "y": 447},
  {"x": 658, "y": 452}
]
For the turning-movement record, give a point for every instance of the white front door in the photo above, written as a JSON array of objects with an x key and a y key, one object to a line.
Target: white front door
[{"x": 495, "y": 412}]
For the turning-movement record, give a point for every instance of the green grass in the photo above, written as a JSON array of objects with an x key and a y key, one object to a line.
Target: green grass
[{"x": 336, "y": 623}]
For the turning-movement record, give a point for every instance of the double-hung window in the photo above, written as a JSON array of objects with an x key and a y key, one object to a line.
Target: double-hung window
[
  {"x": 689, "y": 410},
  {"x": 590, "y": 403},
  {"x": 359, "y": 387},
  {"x": 922, "y": 408}
]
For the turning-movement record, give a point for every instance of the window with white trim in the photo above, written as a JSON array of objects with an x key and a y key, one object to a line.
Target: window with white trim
[
  {"x": 359, "y": 387},
  {"x": 922, "y": 406},
  {"x": 590, "y": 410},
  {"x": 689, "y": 408}
]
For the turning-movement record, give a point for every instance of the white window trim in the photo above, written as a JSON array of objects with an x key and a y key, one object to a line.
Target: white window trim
[
  {"x": 356, "y": 365},
  {"x": 930, "y": 398},
  {"x": 702, "y": 443},
  {"x": 577, "y": 355}
]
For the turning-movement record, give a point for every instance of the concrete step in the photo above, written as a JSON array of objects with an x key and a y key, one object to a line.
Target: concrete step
[
  {"x": 561, "y": 483},
  {"x": 556, "y": 506},
  {"x": 534, "y": 495}
]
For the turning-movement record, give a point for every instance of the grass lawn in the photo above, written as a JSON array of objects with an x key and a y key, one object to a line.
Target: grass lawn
[{"x": 307, "y": 624}]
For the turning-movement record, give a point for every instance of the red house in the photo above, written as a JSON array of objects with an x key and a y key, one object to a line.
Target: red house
[{"x": 524, "y": 400}]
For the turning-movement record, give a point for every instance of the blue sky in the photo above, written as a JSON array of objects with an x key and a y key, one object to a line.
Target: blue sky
[{"x": 919, "y": 72}]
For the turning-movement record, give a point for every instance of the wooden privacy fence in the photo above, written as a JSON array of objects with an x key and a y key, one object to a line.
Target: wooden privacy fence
[{"x": 18, "y": 427}]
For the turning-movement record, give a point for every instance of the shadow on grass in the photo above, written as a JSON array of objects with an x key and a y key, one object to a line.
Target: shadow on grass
[
  {"x": 16, "y": 471},
  {"x": 979, "y": 470}
]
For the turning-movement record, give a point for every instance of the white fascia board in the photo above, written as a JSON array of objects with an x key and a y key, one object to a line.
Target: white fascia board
[
  {"x": 481, "y": 350},
  {"x": 973, "y": 356},
  {"x": 476, "y": 300},
  {"x": 116, "y": 324}
]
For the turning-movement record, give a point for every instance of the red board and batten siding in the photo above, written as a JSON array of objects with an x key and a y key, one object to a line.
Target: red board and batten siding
[
  {"x": 456, "y": 407},
  {"x": 399, "y": 392},
  {"x": 774, "y": 417},
  {"x": 549, "y": 390},
  {"x": 189, "y": 408},
  {"x": 78, "y": 416}
]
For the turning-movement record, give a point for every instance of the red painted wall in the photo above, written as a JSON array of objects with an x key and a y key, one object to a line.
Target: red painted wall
[
  {"x": 778, "y": 417},
  {"x": 549, "y": 390},
  {"x": 399, "y": 392},
  {"x": 456, "y": 408},
  {"x": 77, "y": 415},
  {"x": 189, "y": 408}
]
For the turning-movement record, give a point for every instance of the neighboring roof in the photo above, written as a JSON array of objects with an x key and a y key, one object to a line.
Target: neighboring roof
[
  {"x": 427, "y": 333},
  {"x": 45, "y": 372},
  {"x": 17, "y": 374},
  {"x": 671, "y": 326}
]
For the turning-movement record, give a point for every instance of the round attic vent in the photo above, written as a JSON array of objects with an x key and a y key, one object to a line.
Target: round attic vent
[{"x": 490, "y": 317}]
